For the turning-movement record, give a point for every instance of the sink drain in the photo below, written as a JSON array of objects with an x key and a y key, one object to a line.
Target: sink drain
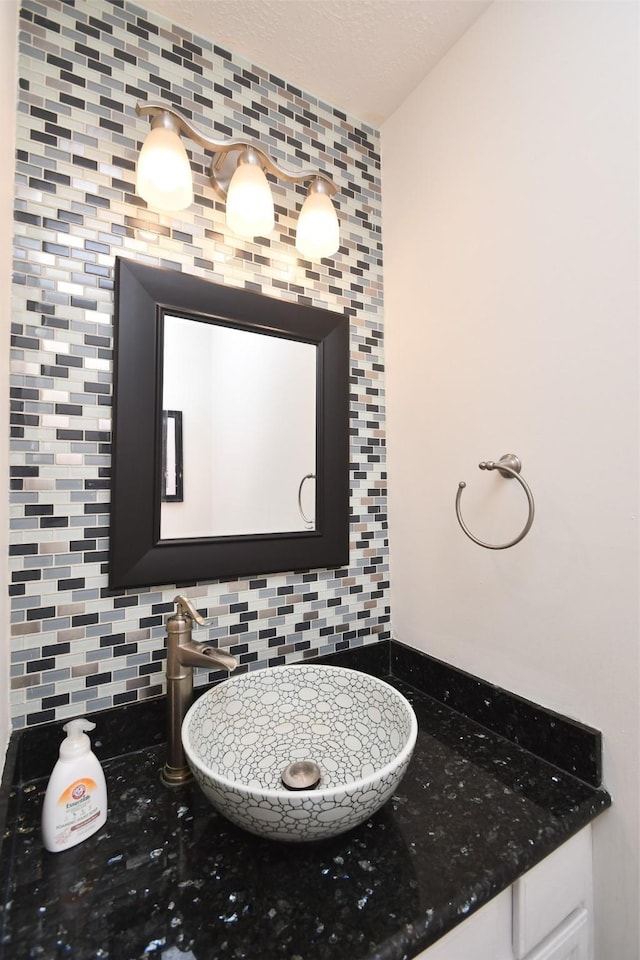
[{"x": 301, "y": 775}]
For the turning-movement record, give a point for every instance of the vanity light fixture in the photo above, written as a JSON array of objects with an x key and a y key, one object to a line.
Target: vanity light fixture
[{"x": 237, "y": 174}]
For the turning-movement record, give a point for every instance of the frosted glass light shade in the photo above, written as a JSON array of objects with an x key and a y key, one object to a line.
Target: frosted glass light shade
[
  {"x": 318, "y": 233},
  {"x": 163, "y": 174},
  {"x": 249, "y": 202}
]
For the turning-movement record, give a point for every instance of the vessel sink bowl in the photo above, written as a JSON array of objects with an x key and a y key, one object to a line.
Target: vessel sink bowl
[{"x": 240, "y": 735}]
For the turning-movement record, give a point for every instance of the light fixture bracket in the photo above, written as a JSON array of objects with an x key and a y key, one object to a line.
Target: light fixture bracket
[{"x": 225, "y": 161}]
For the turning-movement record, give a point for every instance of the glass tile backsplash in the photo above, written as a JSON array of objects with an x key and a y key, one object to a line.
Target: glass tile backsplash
[{"x": 76, "y": 646}]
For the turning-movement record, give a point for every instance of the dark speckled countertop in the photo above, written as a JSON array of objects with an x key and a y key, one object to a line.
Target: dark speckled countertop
[{"x": 168, "y": 877}]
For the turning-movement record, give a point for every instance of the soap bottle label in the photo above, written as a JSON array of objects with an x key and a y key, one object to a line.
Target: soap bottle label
[{"x": 79, "y": 811}]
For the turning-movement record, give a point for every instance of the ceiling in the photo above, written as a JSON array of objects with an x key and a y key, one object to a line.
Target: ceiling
[{"x": 362, "y": 56}]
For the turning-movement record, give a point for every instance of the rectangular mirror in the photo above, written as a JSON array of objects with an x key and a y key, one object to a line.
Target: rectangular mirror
[{"x": 230, "y": 423}]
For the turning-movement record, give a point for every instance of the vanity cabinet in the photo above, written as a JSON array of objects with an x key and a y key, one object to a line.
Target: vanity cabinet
[{"x": 545, "y": 915}]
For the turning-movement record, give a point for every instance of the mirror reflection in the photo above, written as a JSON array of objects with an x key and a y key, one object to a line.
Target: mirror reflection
[{"x": 239, "y": 438}]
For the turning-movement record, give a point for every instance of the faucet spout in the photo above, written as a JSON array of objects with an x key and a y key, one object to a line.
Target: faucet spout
[
  {"x": 183, "y": 654},
  {"x": 193, "y": 654}
]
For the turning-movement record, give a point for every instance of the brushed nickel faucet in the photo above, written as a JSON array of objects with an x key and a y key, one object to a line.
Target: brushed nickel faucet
[{"x": 183, "y": 654}]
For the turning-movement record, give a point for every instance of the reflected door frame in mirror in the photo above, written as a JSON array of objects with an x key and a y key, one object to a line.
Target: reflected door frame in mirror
[{"x": 137, "y": 555}]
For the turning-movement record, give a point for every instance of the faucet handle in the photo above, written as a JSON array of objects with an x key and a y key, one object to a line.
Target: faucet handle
[{"x": 186, "y": 608}]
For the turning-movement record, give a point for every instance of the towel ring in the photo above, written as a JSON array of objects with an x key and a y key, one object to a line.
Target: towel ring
[
  {"x": 308, "y": 522},
  {"x": 508, "y": 466}
]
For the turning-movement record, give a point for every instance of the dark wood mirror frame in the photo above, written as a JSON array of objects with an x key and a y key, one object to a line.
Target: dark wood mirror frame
[{"x": 138, "y": 557}]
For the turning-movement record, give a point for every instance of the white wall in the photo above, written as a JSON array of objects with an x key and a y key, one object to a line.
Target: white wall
[
  {"x": 8, "y": 77},
  {"x": 263, "y": 417},
  {"x": 510, "y": 214}
]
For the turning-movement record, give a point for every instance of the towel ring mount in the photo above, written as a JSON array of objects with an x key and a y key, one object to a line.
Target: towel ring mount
[{"x": 508, "y": 466}]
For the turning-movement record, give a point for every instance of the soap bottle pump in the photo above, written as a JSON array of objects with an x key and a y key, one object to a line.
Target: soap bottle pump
[{"x": 75, "y": 804}]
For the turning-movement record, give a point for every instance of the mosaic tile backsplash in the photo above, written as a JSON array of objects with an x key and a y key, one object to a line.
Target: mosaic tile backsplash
[{"x": 76, "y": 646}]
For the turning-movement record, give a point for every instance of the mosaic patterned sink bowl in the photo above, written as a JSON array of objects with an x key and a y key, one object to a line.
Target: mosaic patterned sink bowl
[{"x": 240, "y": 735}]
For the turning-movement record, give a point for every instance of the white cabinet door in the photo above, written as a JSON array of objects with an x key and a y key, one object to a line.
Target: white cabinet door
[
  {"x": 486, "y": 935},
  {"x": 546, "y": 915},
  {"x": 569, "y": 942},
  {"x": 549, "y": 893}
]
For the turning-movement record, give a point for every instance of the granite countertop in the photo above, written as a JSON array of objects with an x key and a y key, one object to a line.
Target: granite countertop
[{"x": 168, "y": 877}]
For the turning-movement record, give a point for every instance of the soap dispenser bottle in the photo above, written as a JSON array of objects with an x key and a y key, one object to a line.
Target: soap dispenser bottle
[{"x": 75, "y": 804}]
